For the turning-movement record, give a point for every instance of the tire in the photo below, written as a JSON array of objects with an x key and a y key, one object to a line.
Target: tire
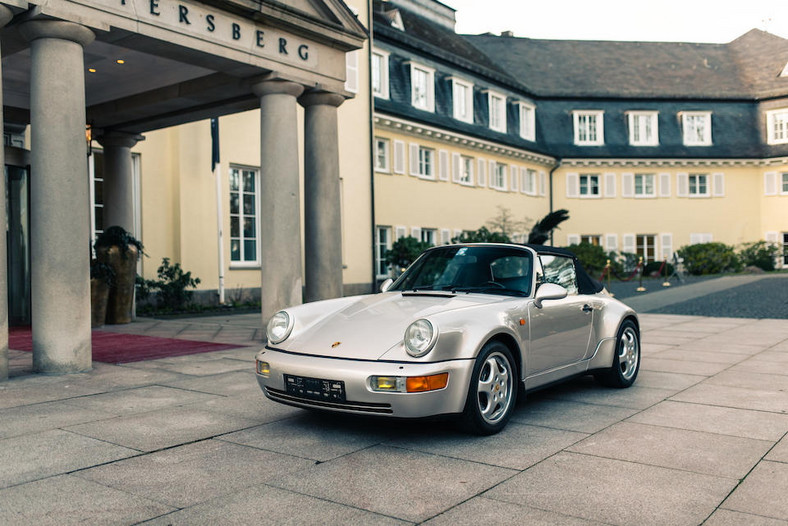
[
  {"x": 626, "y": 361},
  {"x": 492, "y": 393}
]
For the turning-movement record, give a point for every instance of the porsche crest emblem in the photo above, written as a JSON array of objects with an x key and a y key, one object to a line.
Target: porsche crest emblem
[{"x": 335, "y": 344}]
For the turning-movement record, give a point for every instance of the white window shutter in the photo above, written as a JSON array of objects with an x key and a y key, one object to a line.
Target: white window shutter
[
  {"x": 542, "y": 183},
  {"x": 572, "y": 239},
  {"x": 505, "y": 182},
  {"x": 514, "y": 174},
  {"x": 572, "y": 182},
  {"x": 415, "y": 231},
  {"x": 772, "y": 237},
  {"x": 682, "y": 185},
  {"x": 414, "y": 158},
  {"x": 351, "y": 71},
  {"x": 610, "y": 185},
  {"x": 666, "y": 240},
  {"x": 770, "y": 183},
  {"x": 482, "y": 173},
  {"x": 523, "y": 177},
  {"x": 627, "y": 185},
  {"x": 719, "y": 184},
  {"x": 399, "y": 157},
  {"x": 611, "y": 242},
  {"x": 664, "y": 185},
  {"x": 400, "y": 232},
  {"x": 491, "y": 173},
  {"x": 628, "y": 244},
  {"x": 445, "y": 236},
  {"x": 443, "y": 169},
  {"x": 457, "y": 232},
  {"x": 455, "y": 167}
]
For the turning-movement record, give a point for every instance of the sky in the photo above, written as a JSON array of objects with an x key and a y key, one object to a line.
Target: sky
[{"x": 707, "y": 21}]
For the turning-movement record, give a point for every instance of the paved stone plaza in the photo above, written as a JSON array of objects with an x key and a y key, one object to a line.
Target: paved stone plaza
[{"x": 700, "y": 438}]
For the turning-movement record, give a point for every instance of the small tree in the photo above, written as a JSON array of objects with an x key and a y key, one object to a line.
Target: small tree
[
  {"x": 404, "y": 251},
  {"x": 171, "y": 285},
  {"x": 758, "y": 254},
  {"x": 505, "y": 223},
  {"x": 592, "y": 257},
  {"x": 483, "y": 235},
  {"x": 708, "y": 258}
]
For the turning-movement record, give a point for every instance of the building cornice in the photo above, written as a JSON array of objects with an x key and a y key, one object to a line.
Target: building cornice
[
  {"x": 773, "y": 161},
  {"x": 416, "y": 129}
]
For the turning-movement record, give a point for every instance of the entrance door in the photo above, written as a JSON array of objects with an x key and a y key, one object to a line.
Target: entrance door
[{"x": 17, "y": 179}]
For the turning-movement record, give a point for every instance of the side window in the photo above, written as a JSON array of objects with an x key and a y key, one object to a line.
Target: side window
[
  {"x": 559, "y": 270},
  {"x": 514, "y": 272}
]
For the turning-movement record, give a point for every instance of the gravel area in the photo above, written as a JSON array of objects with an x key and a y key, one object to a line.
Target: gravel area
[{"x": 625, "y": 289}]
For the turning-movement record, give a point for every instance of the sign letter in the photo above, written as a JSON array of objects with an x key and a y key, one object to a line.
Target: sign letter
[
  {"x": 154, "y": 5},
  {"x": 236, "y": 32},
  {"x": 260, "y": 36},
  {"x": 303, "y": 52},
  {"x": 283, "y": 46},
  {"x": 183, "y": 13},
  {"x": 211, "y": 25}
]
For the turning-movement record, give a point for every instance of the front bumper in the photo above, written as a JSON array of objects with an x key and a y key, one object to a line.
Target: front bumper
[{"x": 359, "y": 398}]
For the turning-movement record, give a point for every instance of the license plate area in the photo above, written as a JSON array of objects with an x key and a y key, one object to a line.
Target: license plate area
[{"x": 315, "y": 388}]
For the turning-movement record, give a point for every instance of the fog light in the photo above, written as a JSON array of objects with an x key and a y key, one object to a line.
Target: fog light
[
  {"x": 417, "y": 384},
  {"x": 387, "y": 383},
  {"x": 263, "y": 369}
]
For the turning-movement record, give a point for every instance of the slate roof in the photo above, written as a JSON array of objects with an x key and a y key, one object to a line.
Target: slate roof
[{"x": 747, "y": 68}]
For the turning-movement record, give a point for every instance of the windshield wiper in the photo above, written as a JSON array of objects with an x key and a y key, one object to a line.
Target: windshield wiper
[{"x": 485, "y": 289}]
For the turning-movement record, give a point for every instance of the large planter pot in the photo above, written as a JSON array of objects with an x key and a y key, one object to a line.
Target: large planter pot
[
  {"x": 121, "y": 295},
  {"x": 99, "y": 297}
]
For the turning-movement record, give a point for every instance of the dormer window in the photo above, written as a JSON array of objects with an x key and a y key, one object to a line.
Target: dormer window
[
  {"x": 422, "y": 87},
  {"x": 497, "y": 110},
  {"x": 589, "y": 127},
  {"x": 696, "y": 126},
  {"x": 462, "y": 95},
  {"x": 643, "y": 128},
  {"x": 777, "y": 126},
  {"x": 527, "y": 121},
  {"x": 395, "y": 19},
  {"x": 380, "y": 74}
]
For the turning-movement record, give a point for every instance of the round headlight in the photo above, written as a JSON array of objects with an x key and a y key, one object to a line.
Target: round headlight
[
  {"x": 419, "y": 338},
  {"x": 279, "y": 327}
]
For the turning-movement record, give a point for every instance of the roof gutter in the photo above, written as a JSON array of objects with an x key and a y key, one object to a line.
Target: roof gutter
[{"x": 552, "y": 170}]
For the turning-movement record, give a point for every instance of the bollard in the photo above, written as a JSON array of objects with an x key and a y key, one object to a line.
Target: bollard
[
  {"x": 641, "y": 288},
  {"x": 666, "y": 283},
  {"x": 607, "y": 271}
]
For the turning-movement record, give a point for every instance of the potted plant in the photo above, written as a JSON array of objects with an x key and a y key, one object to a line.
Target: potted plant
[
  {"x": 119, "y": 250},
  {"x": 102, "y": 278}
]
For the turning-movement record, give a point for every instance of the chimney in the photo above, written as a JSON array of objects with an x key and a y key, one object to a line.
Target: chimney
[{"x": 507, "y": 33}]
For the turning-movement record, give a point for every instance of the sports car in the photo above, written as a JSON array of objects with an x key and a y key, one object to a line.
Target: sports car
[{"x": 464, "y": 331}]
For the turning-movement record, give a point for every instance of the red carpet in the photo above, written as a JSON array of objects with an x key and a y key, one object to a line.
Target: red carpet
[{"x": 111, "y": 347}]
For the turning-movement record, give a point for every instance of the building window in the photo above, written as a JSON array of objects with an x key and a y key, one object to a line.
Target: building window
[
  {"x": 589, "y": 128},
  {"x": 591, "y": 240},
  {"x": 466, "y": 170},
  {"x": 427, "y": 163},
  {"x": 498, "y": 176},
  {"x": 383, "y": 246},
  {"x": 645, "y": 185},
  {"x": 697, "y": 128},
  {"x": 698, "y": 238},
  {"x": 777, "y": 126},
  {"x": 529, "y": 182},
  {"x": 527, "y": 121},
  {"x": 429, "y": 235},
  {"x": 643, "y": 128},
  {"x": 646, "y": 247},
  {"x": 462, "y": 94},
  {"x": 698, "y": 185},
  {"x": 96, "y": 167},
  {"x": 497, "y": 107},
  {"x": 243, "y": 215},
  {"x": 382, "y": 155},
  {"x": 785, "y": 249},
  {"x": 380, "y": 74},
  {"x": 785, "y": 184},
  {"x": 589, "y": 185},
  {"x": 422, "y": 81}
]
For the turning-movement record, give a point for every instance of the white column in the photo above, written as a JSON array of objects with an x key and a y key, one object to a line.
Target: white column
[
  {"x": 322, "y": 211},
  {"x": 119, "y": 179},
  {"x": 5, "y": 16},
  {"x": 280, "y": 196},
  {"x": 60, "y": 203}
]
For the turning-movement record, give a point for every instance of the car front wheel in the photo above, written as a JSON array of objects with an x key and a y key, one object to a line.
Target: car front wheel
[
  {"x": 626, "y": 361},
  {"x": 492, "y": 393}
]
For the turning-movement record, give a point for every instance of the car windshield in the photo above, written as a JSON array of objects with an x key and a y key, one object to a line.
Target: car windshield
[{"x": 485, "y": 269}]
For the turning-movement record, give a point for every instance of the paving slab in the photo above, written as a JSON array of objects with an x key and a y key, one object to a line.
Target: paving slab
[
  {"x": 719, "y": 347},
  {"x": 396, "y": 482},
  {"x": 265, "y": 505},
  {"x": 699, "y": 452},
  {"x": 654, "y": 363},
  {"x": 232, "y": 383},
  {"x": 762, "y": 492},
  {"x": 197, "y": 365},
  {"x": 780, "y": 451},
  {"x": 734, "y": 518},
  {"x": 66, "y": 499},
  {"x": 615, "y": 491},
  {"x": 255, "y": 408},
  {"x": 163, "y": 428},
  {"x": 518, "y": 446},
  {"x": 139, "y": 400},
  {"x": 568, "y": 415},
  {"x": 736, "y": 377},
  {"x": 736, "y": 397},
  {"x": 663, "y": 380},
  {"x": 481, "y": 510},
  {"x": 29, "y": 419},
  {"x": 190, "y": 474},
  {"x": 693, "y": 355},
  {"x": 712, "y": 419},
  {"x": 32, "y": 457},
  {"x": 586, "y": 390}
]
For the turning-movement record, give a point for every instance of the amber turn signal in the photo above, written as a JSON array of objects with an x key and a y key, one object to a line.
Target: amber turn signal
[{"x": 416, "y": 384}]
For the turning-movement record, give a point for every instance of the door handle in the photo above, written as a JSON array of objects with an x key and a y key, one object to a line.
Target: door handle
[{"x": 587, "y": 308}]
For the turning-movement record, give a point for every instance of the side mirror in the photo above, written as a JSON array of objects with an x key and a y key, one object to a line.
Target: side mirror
[
  {"x": 386, "y": 284},
  {"x": 548, "y": 291}
]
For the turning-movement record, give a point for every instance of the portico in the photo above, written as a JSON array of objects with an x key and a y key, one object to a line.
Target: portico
[{"x": 127, "y": 67}]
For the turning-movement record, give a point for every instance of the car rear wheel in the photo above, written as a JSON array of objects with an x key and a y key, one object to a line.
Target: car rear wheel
[
  {"x": 492, "y": 392},
  {"x": 626, "y": 361}
]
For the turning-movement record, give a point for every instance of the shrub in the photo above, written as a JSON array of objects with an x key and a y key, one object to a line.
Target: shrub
[
  {"x": 592, "y": 257},
  {"x": 708, "y": 258},
  {"x": 623, "y": 263},
  {"x": 170, "y": 286},
  {"x": 655, "y": 267},
  {"x": 404, "y": 251},
  {"x": 483, "y": 235},
  {"x": 758, "y": 254}
]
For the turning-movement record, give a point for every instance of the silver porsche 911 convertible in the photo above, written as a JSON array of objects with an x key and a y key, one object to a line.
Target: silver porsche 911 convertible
[{"x": 462, "y": 332}]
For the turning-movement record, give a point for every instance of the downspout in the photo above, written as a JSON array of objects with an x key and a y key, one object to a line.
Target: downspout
[
  {"x": 552, "y": 170},
  {"x": 371, "y": 148}
]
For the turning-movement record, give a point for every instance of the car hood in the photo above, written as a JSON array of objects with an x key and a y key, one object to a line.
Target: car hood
[{"x": 367, "y": 328}]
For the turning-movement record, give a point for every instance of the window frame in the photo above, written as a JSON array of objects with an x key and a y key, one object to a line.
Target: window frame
[
  {"x": 386, "y": 168},
  {"x": 243, "y": 263},
  {"x": 466, "y": 162},
  {"x": 527, "y": 114},
  {"x": 468, "y": 99},
  {"x": 689, "y": 138},
  {"x": 429, "y": 95},
  {"x": 499, "y": 176},
  {"x": 696, "y": 194},
  {"x": 599, "y": 125},
  {"x": 642, "y": 249},
  {"x": 771, "y": 131},
  {"x": 497, "y": 119},
  {"x": 380, "y": 258},
  {"x": 783, "y": 183},
  {"x": 636, "y": 127},
  {"x": 588, "y": 186},
  {"x": 642, "y": 194},
  {"x": 383, "y": 74},
  {"x": 427, "y": 161}
]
